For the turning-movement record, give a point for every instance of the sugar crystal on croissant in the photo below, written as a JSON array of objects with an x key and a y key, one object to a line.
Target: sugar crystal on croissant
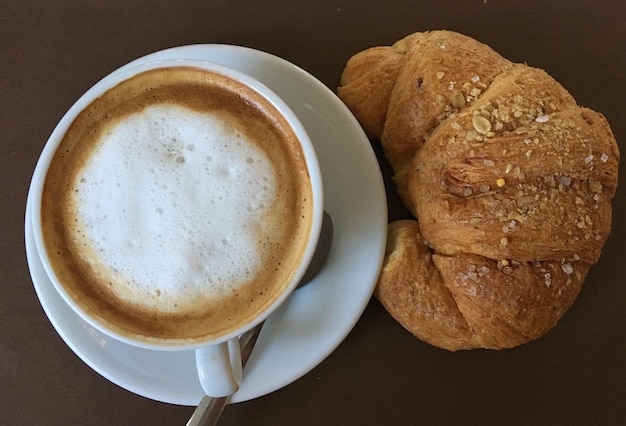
[{"x": 510, "y": 179}]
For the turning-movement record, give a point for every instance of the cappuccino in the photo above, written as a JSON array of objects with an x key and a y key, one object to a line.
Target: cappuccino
[{"x": 177, "y": 206}]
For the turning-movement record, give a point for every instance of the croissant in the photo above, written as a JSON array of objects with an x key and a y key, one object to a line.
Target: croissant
[{"x": 510, "y": 180}]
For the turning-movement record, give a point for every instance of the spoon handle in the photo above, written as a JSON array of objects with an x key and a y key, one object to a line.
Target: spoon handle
[{"x": 210, "y": 409}]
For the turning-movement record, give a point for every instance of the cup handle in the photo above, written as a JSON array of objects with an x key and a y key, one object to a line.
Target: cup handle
[{"x": 219, "y": 368}]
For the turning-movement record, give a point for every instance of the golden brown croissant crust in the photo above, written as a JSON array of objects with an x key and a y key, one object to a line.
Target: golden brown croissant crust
[{"x": 511, "y": 180}]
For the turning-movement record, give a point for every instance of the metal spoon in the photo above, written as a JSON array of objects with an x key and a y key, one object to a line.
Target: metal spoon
[{"x": 209, "y": 410}]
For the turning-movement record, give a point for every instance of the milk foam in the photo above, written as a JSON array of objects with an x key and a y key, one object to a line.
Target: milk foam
[{"x": 172, "y": 201}]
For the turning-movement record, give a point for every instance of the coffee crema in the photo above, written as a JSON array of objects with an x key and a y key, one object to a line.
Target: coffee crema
[{"x": 177, "y": 206}]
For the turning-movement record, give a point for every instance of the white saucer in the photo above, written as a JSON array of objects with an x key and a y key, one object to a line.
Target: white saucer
[{"x": 316, "y": 319}]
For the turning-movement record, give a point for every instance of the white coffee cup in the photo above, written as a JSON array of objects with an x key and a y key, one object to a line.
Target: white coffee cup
[{"x": 137, "y": 147}]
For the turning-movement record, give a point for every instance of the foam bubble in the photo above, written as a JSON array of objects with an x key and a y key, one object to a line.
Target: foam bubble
[{"x": 163, "y": 204}]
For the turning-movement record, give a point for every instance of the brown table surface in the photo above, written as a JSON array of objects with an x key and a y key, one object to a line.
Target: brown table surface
[{"x": 51, "y": 52}]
